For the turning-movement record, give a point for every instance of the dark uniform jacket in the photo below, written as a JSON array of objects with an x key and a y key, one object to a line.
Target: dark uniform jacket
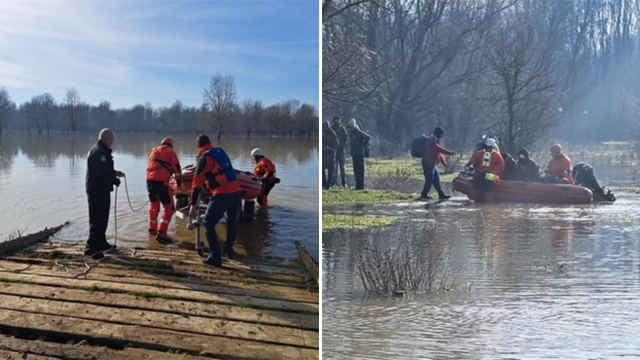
[
  {"x": 341, "y": 132},
  {"x": 330, "y": 140},
  {"x": 358, "y": 140},
  {"x": 101, "y": 175}
]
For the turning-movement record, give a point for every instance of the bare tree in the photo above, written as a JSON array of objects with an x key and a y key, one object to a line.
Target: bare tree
[
  {"x": 521, "y": 82},
  {"x": 306, "y": 117},
  {"x": 251, "y": 115},
  {"x": 47, "y": 110},
  {"x": 72, "y": 104},
  {"x": 7, "y": 108},
  {"x": 219, "y": 100}
]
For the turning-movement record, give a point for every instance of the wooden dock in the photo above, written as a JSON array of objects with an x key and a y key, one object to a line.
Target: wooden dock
[{"x": 154, "y": 304}]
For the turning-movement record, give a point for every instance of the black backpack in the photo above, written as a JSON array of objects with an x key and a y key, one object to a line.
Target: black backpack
[{"x": 418, "y": 145}]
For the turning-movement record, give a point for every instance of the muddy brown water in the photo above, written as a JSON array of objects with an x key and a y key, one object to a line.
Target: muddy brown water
[
  {"x": 532, "y": 282},
  {"x": 42, "y": 185}
]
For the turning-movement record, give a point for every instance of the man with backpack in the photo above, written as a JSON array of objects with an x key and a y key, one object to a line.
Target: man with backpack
[
  {"x": 216, "y": 169},
  {"x": 431, "y": 156}
]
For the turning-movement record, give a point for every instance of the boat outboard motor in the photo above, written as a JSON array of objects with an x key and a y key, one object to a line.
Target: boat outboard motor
[{"x": 584, "y": 175}]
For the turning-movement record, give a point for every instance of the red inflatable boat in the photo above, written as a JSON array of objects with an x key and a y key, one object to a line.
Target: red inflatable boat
[
  {"x": 249, "y": 184},
  {"x": 527, "y": 192}
]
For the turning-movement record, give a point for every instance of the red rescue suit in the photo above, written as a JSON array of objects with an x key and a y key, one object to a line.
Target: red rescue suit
[
  {"x": 488, "y": 161},
  {"x": 265, "y": 170},
  {"x": 162, "y": 162},
  {"x": 561, "y": 168}
]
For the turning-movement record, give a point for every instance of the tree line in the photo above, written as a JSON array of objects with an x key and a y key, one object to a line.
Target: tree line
[
  {"x": 221, "y": 113},
  {"x": 527, "y": 71}
]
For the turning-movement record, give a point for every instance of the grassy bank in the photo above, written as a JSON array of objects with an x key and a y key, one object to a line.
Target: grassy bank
[
  {"x": 346, "y": 196},
  {"x": 401, "y": 168},
  {"x": 332, "y": 222}
]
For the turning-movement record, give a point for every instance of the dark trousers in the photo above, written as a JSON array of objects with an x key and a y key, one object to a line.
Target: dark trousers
[
  {"x": 218, "y": 204},
  {"x": 431, "y": 177},
  {"x": 358, "y": 171},
  {"x": 327, "y": 168},
  {"x": 339, "y": 165},
  {"x": 99, "y": 204}
]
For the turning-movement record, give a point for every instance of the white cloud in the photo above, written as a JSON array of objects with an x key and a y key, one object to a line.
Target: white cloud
[{"x": 128, "y": 52}]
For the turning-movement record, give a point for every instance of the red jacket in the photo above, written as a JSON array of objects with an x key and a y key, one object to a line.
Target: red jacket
[
  {"x": 162, "y": 162},
  {"x": 495, "y": 166},
  {"x": 561, "y": 167},
  {"x": 265, "y": 169},
  {"x": 432, "y": 154},
  {"x": 206, "y": 165}
]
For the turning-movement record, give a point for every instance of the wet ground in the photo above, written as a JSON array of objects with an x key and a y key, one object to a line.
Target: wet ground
[
  {"x": 42, "y": 185},
  {"x": 531, "y": 282}
]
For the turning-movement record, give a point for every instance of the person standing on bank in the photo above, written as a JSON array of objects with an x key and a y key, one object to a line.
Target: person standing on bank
[
  {"x": 341, "y": 132},
  {"x": 264, "y": 170},
  {"x": 431, "y": 157},
  {"x": 162, "y": 162},
  {"x": 99, "y": 181},
  {"x": 359, "y": 141},
  {"x": 330, "y": 143},
  {"x": 215, "y": 168}
]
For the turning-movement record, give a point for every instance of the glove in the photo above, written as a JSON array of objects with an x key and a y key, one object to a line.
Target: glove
[{"x": 117, "y": 182}]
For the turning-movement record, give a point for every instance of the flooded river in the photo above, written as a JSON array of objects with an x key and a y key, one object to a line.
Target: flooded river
[
  {"x": 530, "y": 282},
  {"x": 42, "y": 185}
]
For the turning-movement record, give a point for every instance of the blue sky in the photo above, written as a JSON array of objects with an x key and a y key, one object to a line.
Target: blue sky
[{"x": 131, "y": 52}]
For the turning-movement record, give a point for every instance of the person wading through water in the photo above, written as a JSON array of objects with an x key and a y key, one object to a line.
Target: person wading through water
[
  {"x": 162, "y": 163},
  {"x": 431, "y": 157},
  {"x": 264, "y": 170}
]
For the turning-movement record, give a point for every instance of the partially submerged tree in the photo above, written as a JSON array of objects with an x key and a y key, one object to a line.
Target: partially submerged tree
[
  {"x": 73, "y": 111},
  {"x": 219, "y": 100},
  {"x": 7, "y": 108}
]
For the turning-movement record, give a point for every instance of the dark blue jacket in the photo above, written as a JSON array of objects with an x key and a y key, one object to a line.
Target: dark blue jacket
[{"x": 101, "y": 175}]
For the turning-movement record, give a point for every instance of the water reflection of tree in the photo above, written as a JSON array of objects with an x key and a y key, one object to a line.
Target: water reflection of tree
[
  {"x": 8, "y": 151},
  {"x": 39, "y": 149}
]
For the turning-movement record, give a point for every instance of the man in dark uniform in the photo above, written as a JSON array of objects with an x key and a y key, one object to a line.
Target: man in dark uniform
[
  {"x": 100, "y": 179},
  {"x": 338, "y": 164},
  {"x": 359, "y": 141}
]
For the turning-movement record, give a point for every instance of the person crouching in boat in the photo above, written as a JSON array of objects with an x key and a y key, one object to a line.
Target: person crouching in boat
[
  {"x": 529, "y": 170},
  {"x": 265, "y": 170},
  {"x": 559, "y": 167},
  {"x": 584, "y": 175},
  {"x": 488, "y": 166}
]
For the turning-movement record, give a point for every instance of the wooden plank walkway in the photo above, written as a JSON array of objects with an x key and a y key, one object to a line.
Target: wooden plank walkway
[{"x": 154, "y": 304}]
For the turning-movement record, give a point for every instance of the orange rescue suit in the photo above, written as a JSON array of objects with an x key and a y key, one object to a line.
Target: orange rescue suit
[
  {"x": 265, "y": 169},
  {"x": 495, "y": 165},
  {"x": 162, "y": 163},
  {"x": 558, "y": 165}
]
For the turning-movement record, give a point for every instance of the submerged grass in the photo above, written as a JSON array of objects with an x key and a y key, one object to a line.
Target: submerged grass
[
  {"x": 345, "y": 196},
  {"x": 332, "y": 222}
]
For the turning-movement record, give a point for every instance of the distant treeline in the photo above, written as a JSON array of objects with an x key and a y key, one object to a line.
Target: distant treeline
[{"x": 220, "y": 114}]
